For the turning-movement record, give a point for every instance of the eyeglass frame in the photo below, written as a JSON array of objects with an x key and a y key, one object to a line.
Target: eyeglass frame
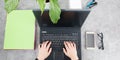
[{"x": 100, "y": 35}]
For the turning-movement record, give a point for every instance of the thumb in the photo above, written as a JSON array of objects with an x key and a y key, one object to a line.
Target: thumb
[{"x": 64, "y": 51}]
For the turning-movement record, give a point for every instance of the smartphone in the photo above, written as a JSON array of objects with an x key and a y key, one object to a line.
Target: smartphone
[{"x": 90, "y": 40}]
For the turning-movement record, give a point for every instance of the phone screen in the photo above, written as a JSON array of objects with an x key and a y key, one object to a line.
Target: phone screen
[{"x": 90, "y": 40}]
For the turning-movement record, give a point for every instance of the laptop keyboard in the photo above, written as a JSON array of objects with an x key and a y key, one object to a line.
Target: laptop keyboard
[{"x": 58, "y": 39}]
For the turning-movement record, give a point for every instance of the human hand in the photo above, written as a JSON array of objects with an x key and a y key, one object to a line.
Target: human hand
[
  {"x": 70, "y": 50},
  {"x": 44, "y": 50}
]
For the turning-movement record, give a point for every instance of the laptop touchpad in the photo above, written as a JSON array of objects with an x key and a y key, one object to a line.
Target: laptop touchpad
[{"x": 58, "y": 56}]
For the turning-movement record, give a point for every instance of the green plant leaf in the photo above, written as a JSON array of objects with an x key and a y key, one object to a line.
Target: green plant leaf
[
  {"x": 6, "y": 1},
  {"x": 42, "y": 5},
  {"x": 10, "y": 5},
  {"x": 54, "y": 11}
]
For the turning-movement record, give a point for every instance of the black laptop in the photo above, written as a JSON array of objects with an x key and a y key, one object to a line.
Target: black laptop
[{"x": 68, "y": 28}]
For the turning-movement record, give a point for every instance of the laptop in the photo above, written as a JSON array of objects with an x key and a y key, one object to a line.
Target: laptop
[{"x": 68, "y": 28}]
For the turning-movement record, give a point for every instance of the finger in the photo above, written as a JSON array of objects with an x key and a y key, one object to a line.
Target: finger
[
  {"x": 50, "y": 50},
  {"x": 42, "y": 45},
  {"x": 48, "y": 46},
  {"x": 45, "y": 44},
  {"x": 64, "y": 50},
  {"x": 71, "y": 44},
  {"x": 39, "y": 46},
  {"x": 66, "y": 45}
]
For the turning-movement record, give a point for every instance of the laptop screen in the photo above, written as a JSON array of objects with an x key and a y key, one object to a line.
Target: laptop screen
[{"x": 67, "y": 18}]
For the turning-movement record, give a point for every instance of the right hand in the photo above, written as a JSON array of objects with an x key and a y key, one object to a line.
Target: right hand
[{"x": 70, "y": 50}]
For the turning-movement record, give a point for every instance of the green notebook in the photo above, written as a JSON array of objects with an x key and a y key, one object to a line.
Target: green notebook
[{"x": 20, "y": 30}]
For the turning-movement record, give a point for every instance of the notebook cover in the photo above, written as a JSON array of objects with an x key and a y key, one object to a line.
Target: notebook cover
[{"x": 20, "y": 30}]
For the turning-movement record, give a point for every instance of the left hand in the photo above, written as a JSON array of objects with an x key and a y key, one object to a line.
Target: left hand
[{"x": 44, "y": 50}]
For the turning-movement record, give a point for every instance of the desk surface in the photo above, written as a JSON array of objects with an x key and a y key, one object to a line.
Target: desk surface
[{"x": 103, "y": 18}]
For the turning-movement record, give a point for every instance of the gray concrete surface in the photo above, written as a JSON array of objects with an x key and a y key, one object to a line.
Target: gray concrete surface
[{"x": 105, "y": 17}]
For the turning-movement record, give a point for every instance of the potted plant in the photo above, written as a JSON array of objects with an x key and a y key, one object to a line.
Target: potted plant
[{"x": 54, "y": 10}]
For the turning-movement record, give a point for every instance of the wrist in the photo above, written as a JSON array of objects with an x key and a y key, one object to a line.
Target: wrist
[
  {"x": 40, "y": 58},
  {"x": 75, "y": 58}
]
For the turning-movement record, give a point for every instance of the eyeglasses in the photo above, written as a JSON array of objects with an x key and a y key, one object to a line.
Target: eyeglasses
[{"x": 100, "y": 44}]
